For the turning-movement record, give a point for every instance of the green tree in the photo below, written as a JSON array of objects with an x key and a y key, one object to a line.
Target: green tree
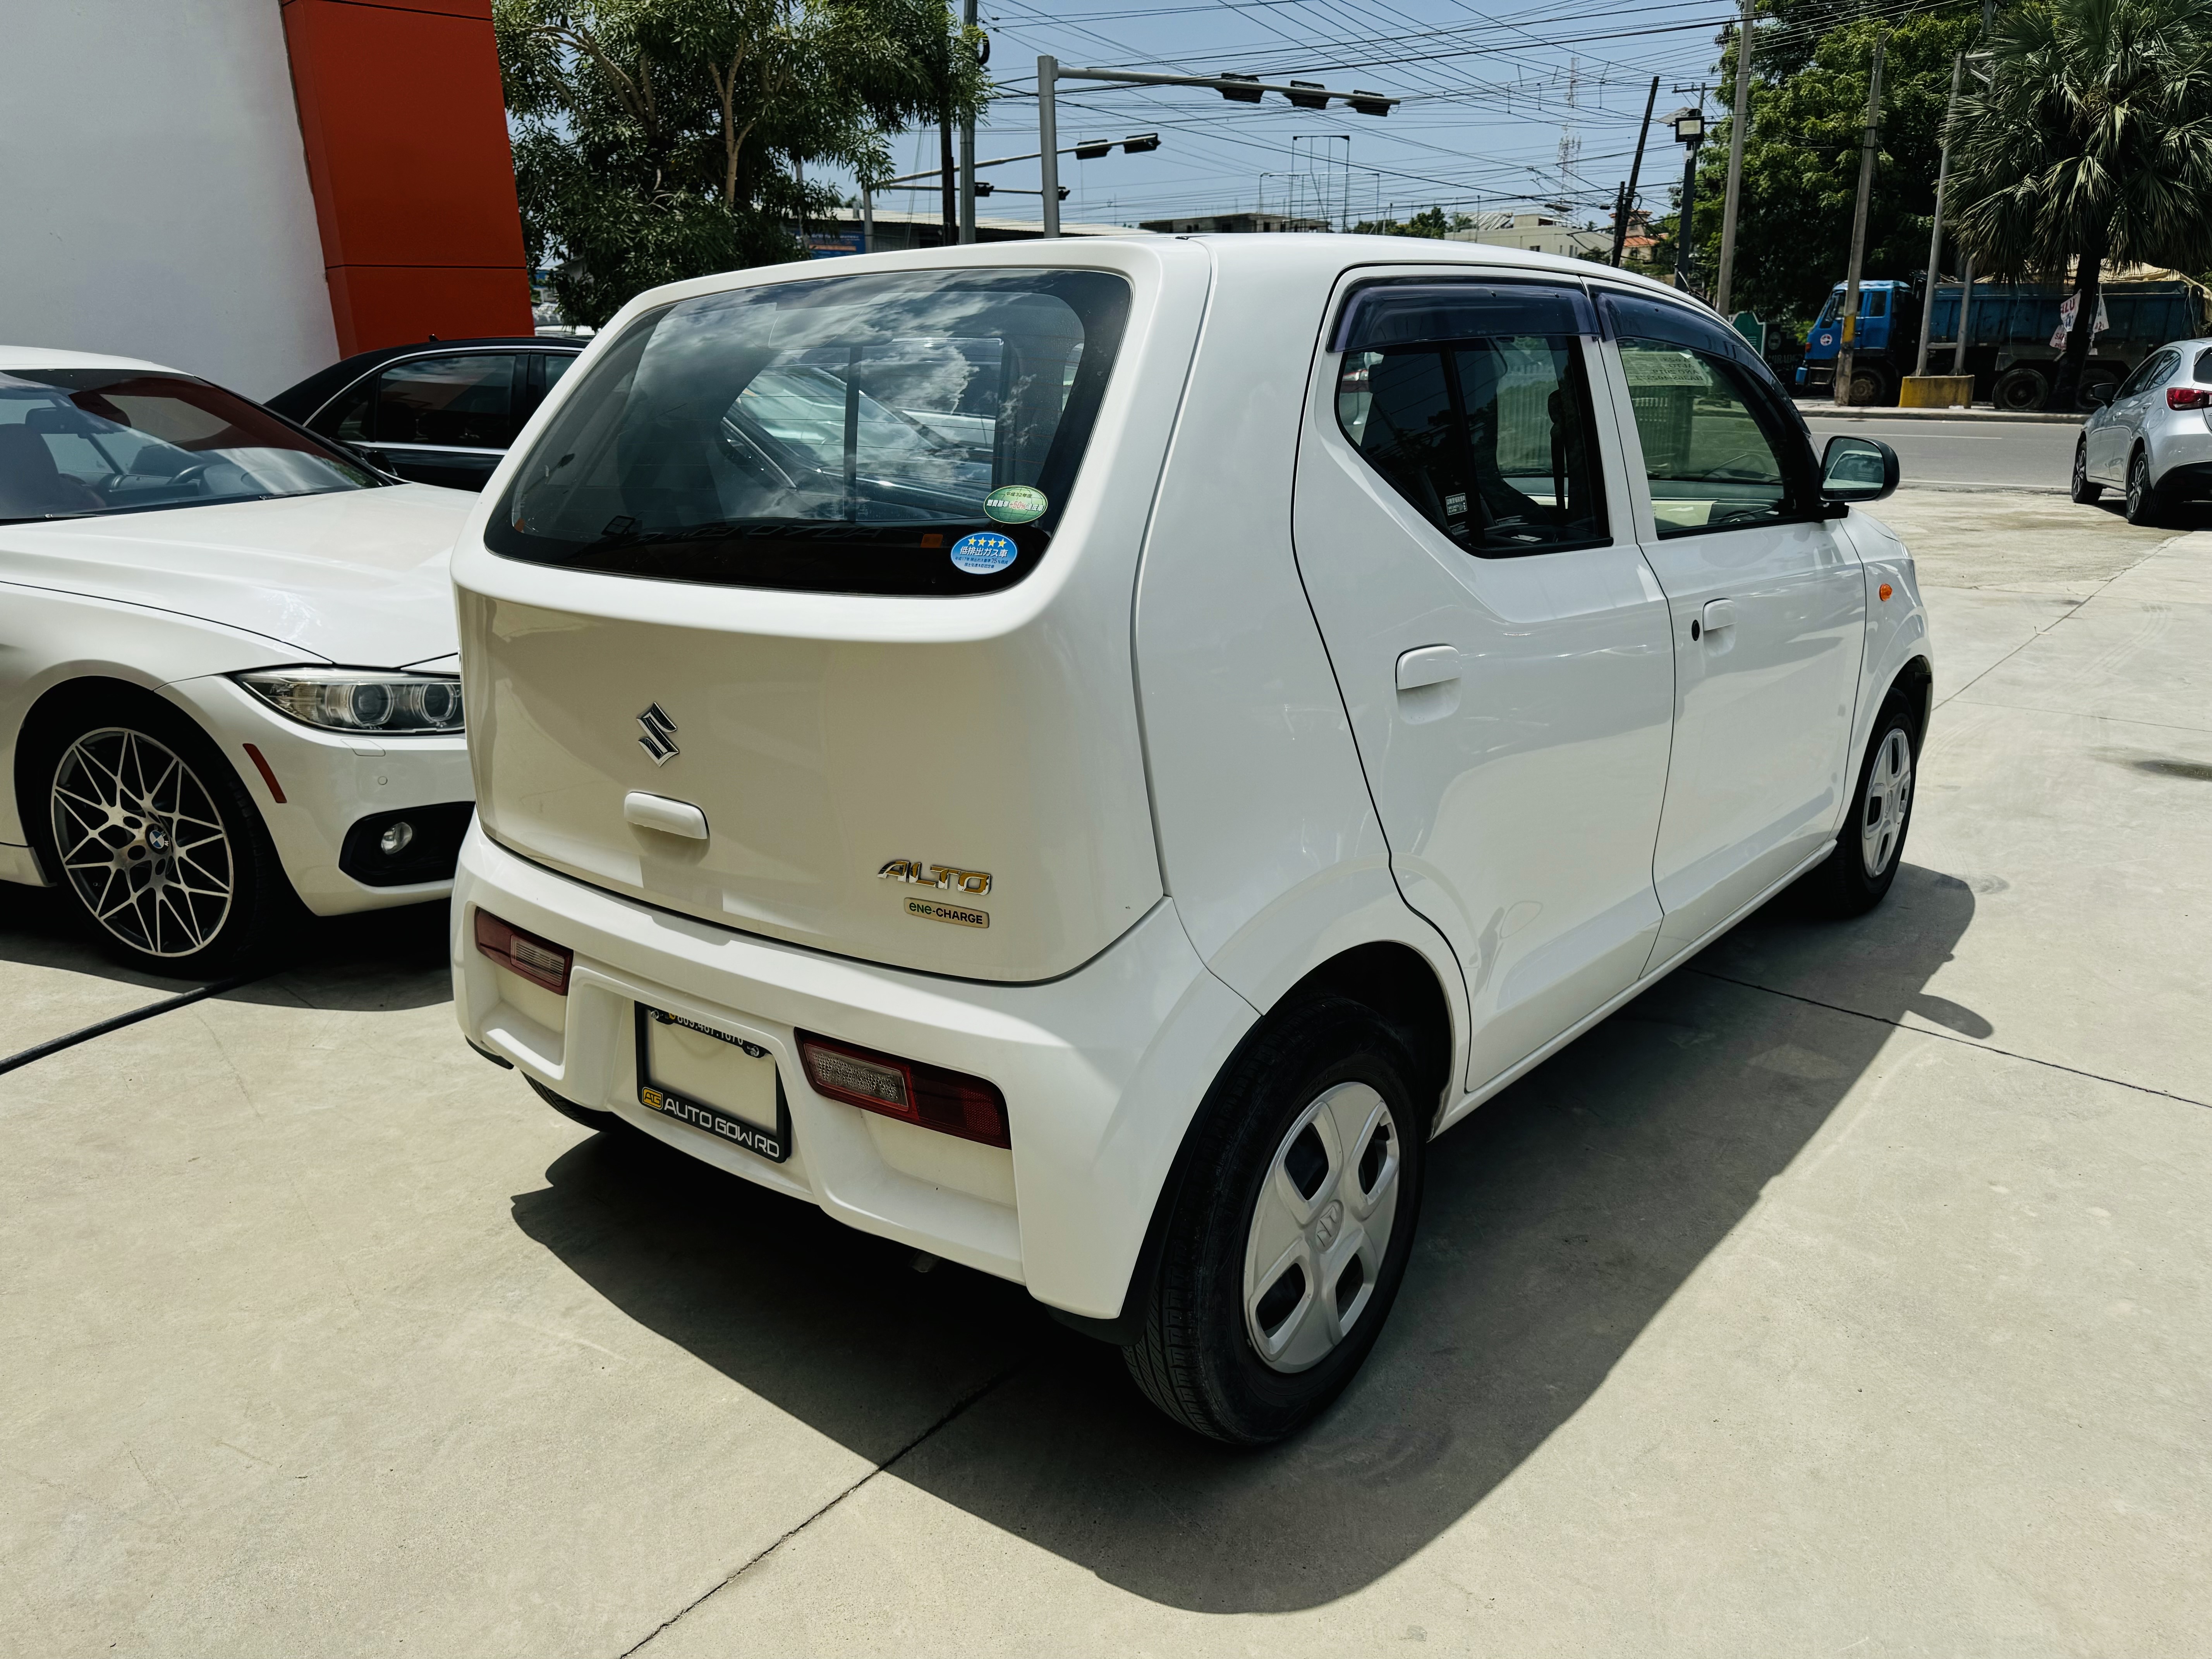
[
  {"x": 661, "y": 139},
  {"x": 1801, "y": 161},
  {"x": 1430, "y": 222},
  {"x": 2092, "y": 141}
]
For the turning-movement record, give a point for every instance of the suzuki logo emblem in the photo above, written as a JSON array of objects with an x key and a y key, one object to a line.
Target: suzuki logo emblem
[{"x": 659, "y": 738}]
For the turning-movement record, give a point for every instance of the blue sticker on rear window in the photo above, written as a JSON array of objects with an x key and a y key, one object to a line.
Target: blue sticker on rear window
[{"x": 984, "y": 552}]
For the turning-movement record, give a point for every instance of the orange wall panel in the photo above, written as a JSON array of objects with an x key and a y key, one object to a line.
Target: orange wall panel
[{"x": 405, "y": 125}]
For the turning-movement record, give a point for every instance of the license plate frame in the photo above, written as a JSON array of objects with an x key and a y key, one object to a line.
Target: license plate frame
[{"x": 684, "y": 1106}]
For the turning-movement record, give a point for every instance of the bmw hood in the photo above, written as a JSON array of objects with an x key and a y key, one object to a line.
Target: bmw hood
[{"x": 357, "y": 576}]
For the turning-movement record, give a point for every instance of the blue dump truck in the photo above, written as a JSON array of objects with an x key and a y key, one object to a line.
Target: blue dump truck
[{"x": 2009, "y": 349}]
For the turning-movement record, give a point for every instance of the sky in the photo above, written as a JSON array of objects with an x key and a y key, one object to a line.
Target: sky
[{"x": 1490, "y": 93}]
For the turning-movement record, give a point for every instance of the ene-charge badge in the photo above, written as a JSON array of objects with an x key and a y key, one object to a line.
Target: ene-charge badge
[
  {"x": 984, "y": 552},
  {"x": 1016, "y": 503}
]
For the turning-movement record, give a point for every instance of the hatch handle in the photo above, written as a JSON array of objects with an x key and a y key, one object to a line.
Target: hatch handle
[
  {"x": 670, "y": 817},
  {"x": 1432, "y": 664}
]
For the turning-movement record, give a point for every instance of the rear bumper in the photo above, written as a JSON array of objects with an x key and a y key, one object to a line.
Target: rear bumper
[
  {"x": 2181, "y": 457},
  {"x": 1101, "y": 1069}
]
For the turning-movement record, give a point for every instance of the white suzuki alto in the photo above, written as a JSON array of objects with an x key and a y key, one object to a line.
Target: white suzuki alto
[{"x": 1082, "y": 758}]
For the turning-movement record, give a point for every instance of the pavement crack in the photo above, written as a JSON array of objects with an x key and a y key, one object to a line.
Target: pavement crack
[
  {"x": 1949, "y": 1037},
  {"x": 70, "y": 1039},
  {"x": 959, "y": 1408}
]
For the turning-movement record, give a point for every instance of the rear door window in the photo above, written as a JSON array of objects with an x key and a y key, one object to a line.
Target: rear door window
[
  {"x": 462, "y": 402},
  {"x": 2152, "y": 373},
  {"x": 913, "y": 432},
  {"x": 1472, "y": 403}
]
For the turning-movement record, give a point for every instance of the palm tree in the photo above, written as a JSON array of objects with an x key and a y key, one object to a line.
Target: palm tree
[{"x": 2092, "y": 140}]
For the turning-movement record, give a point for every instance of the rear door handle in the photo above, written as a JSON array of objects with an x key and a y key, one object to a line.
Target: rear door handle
[
  {"x": 1719, "y": 614},
  {"x": 1432, "y": 664},
  {"x": 670, "y": 817}
]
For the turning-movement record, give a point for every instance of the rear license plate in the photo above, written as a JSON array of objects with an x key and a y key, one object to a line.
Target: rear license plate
[{"x": 713, "y": 1081}]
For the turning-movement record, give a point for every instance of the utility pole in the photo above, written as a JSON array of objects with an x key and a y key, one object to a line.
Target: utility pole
[
  {"x": 1721, "y": 289},
  {"x": 1635, "y": 172},
  {"x": 1867, "y": 146},
  {"x": 1966, "y": 274},
  {"x": 1936, "y": 232},
  {"x": 1048, "y": 142},
  {"x": 968, "y": 146}
]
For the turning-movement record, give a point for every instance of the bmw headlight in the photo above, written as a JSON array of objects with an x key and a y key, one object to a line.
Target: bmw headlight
[{"x": 360, "y": 699}]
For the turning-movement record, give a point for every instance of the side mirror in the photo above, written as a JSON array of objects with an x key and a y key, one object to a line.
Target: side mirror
[
  {"x": 1855, "y": 471},
  {"x": 2099, "y": 392}
]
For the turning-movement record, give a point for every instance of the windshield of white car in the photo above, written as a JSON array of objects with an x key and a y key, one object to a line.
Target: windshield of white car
[{"x": 76, "y": 442}]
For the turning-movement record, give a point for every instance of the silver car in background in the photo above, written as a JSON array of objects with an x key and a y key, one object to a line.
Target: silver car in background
[{"x": 2153, "y": 438}]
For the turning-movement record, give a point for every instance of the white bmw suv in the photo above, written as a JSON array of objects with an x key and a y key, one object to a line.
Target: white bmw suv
[{"x": 1082, "y": 759}]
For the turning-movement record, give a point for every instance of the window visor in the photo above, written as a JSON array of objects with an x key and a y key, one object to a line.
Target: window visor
[{"x": 1383, "y": 314}]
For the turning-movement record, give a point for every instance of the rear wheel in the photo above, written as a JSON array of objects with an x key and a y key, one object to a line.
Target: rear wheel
[
  {"x": 2144, "y": 506},
  {"x": 2084, "y": 491},
  {"x": 1289, "y": 1235},
  {"x": 2019, "y": 388},
  {"x": 156, "y": 840}
]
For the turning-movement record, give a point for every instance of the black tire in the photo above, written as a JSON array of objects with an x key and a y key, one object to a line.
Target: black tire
[
  {"x": 2092, "y": 377},
  {"x": 590, "y": 1117},
  {"x": 1868, "y": 385},
  {"x": 2019, "y": 388},
  {"x": 1313, "y": 1068},
  {"x": 1858, "y": 874},
  {"x": 2145, "y": 506},
  {"x": 188, "y": 886},
  {"x": 2084, "y": 492}
]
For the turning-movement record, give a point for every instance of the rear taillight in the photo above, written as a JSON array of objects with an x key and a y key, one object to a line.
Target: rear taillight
[
  {"x": 537, "y": 960},
  {"x": 2189, "y": 397},
  {"x": 929, "y": 1096}
]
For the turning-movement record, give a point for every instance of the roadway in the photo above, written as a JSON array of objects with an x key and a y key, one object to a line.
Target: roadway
[{"x": 1998, "y": 452}]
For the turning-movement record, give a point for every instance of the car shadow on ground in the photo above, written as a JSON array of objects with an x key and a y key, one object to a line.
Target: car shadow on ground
[
  {"x": 1559, "y": 1222},
  {"x": 375, "y": 959}
]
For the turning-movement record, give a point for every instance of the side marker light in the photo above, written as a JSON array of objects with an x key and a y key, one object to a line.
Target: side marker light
[
  {"x": 1885, "y": 590},
  {"x": 275, "y": 789}
]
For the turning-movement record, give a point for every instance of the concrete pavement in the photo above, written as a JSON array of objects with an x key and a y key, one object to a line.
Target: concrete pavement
[{"x": 1846, "y": 1293}]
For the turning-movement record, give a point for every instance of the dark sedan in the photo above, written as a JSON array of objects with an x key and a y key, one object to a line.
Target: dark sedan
[{"x": 442, "y": 412}]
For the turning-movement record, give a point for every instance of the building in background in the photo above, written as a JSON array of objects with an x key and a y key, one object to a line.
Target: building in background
[
  {"x": 1234, "y": 224},
  {"x": 1537, "y": 232},
  {"x": 251, "y": 190}
]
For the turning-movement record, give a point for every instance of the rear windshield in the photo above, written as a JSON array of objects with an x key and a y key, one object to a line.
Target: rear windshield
[
  {"x": 78, "y": 442},
  {"x": 913, "y": 433}
]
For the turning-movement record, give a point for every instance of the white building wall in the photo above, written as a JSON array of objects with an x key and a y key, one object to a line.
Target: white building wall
[{"x": 154, "y": 196}]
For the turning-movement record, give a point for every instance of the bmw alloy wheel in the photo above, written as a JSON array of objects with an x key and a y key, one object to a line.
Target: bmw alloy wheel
[
  {"x": 1314, "y": 1250},
  {"x": 1888, "y": 799},
  {"x": 142, "y": 842}
]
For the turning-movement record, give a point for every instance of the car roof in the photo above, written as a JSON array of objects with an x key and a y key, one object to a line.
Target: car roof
[
  {"x": 45, "y": 357},
  {"x": 300, "y": 401}
]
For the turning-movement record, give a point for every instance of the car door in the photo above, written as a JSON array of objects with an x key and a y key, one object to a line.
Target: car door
[
  {"x": 1769, "y": 614},
  {"x": 441, "y": 419},
  {"x": 1465, "y": 535},
  {"x": 2114, "y": 440}
]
